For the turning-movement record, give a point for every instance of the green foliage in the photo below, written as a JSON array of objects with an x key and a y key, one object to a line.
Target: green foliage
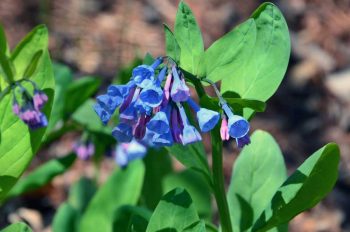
[
  {"x": 63, "y": 78},
  {"x": 18, "y": 143},
  {"x": 131, "y": 218},
  {"x": 158, "y": 165},
  {"x": 172, "y": 48},
  {"x": 69, "y": 213},
  {"x": 122, "y": 188},
  {"x": 78, "y": 92},
  {"x": 196, "y": 186},
  {"x": 42, "y": 175},
  {"x": 257, "y": 174},
  {"x": 189, "y": 38},
  {"x": 260, "y": 77},
  {"x": 17, "y": 227},
  {"x": 230, "y": 53},
  {"x": 307, "y": 186},
  {"x": 175, "y": 212},
  {"x": 192, "y": 156}
]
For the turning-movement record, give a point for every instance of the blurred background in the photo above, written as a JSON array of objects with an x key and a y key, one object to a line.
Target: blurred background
[{"x": 311, "y": 107}]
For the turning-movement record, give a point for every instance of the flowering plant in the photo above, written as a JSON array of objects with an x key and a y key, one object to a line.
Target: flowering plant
[{"x": 153, "y": 115}]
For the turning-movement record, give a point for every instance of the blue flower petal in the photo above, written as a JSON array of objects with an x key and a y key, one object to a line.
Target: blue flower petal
[
  {"x": 163, "y": 139},
  {"x": 207, "y": 119},
  {"x": 103, "y": 114},
  {"x": 190, "y": 135},
  {"x": 159, "y": 123},
  {"x": 142, "y": 75},
  {"x": 122, "y": 133},
  {"x": 241, "y": 142},
  {"x": 238, "y": 126},
  {"x": 152, "y": 96}
]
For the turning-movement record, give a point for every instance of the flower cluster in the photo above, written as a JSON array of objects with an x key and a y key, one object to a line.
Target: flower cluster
[
  {"x": 28, "y": 109},
  {"x": 151, "y": 109}
]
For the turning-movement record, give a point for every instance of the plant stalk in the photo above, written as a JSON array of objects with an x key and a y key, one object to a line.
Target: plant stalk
[{"x": 219, "y": 182}]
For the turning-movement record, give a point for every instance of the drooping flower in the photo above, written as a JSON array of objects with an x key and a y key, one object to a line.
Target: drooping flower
[
  {"x": 207, "y": 119},
  {"x": 28, "y": 110},
  {"x": 151, "y": 110},
  {"x": 39, "y": 99},
  {"x": 237, "y": 127},
  {"x": 179, "y": 90},
  {"x": 127, "y": 152},
  {"x": 84, "y": 149},
  {"x": 189, "y": 132}
]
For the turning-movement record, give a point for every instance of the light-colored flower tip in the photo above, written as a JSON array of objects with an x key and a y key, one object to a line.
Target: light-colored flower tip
[
  {"x": 190, "y": 135},
  {"x": 207, "y": 119}
]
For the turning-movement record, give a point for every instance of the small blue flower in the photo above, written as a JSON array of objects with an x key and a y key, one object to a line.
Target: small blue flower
[
  {"x": 127, "y": 152},
  {"x": 165, "y": 139},
  {"x": 143, "y": 75},
  {"x": 207, "y": 119},
  {"x": 160, "y": 121},
  {"x": 179, "y": 90},
  {"x": 189, "y": 133},
  {"x": 120, "y": 91},
  {"x": 152, "y": 96},
  {"x": 122, "y": 132},
  {"x": 106, "y": 105},
  {"x": 237, "y": 125}
]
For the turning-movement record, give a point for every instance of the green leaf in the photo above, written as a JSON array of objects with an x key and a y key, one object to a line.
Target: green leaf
[
  {"x": 78, "y": 92},
  {"x": 122, "y": 188},
  {"x": 189, "y": 38},
  {"x": 174, "y": 212},
  {"x": 171, "y": 46},
  {"x": 19, "y": 143},
  {"x": 63, "y": 78},
  {"x": 196, "y": 227},
  {"x": 260, "y": 77},
  {"x": 148, "y": 59},
  {"x": 158, "y": 165},
  {"x": 196, "y": 186},
  {"x": 65, "y": 219},
  {"x": 307, "y": 186},
  {"x": 17, "y": 227},
  {"x": 31, "y": 67},
  {"x": 131, "y": 218},
  {"x": 69, "y": 213},
  {"x": 230, "y": 53},
  {"x": 35, "y": 41},
  {"x": 192, "y": 156},
  {"x": 257, "y": 174},
  {"x": 6, "y": 69},
  {"x": 81, "y": 193},
  {"x": 4, "y": 47},
  {"x": 42, "y": 175}
]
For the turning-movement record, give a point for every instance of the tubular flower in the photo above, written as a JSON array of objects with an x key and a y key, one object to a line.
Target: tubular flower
[
  {"x": 236, "y": 126},
  {"x": 29, "y": 108},
  {"x": 127, "y": 152},
  {"x": 151, "y": 109}
]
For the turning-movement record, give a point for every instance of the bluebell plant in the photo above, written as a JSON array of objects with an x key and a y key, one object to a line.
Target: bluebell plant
[
  {"x": 29, "y": 107},
  {"x": 153, "y": 113}
]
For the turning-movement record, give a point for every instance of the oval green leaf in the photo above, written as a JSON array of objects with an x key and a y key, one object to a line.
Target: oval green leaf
[
  {"x": 307, "y": 186},
  {"x": 257, "y": 174}
]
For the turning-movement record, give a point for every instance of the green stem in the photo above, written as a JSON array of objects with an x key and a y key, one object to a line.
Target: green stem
[
  {"x": 217, "y": 168},
  {"x": 219, "y": 182}
]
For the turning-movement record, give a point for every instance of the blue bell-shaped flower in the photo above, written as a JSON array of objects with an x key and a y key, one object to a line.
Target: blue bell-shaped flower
[{"x": 122, "y": 133}]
